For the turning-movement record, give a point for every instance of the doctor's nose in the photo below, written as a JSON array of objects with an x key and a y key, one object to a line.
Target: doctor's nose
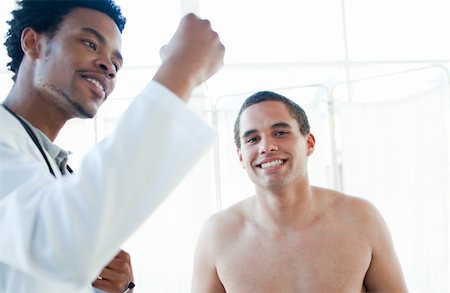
[{"x": 107, "y": 67}]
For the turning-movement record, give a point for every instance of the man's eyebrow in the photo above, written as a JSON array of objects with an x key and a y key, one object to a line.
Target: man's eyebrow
[
  {"x": 248, "y": 133},
  {"x": 101, "y": 39},
  {"x": 281, "y": 125},
  {"x": 274, "y": 126}
]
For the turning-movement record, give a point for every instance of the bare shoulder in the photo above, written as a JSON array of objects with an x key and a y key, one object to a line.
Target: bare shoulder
[
  {"x": 357, "y": 210},
  {"x": 227, "y": 224},
  {"x": 361, "y": 218},
  {"x": 219, "y": 232}
]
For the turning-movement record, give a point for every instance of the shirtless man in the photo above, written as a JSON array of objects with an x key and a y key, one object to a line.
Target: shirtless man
[{"x": 291, "y": 236}]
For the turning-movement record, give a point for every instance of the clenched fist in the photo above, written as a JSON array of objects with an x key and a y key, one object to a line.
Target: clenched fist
[{"x": 193, "y": 55}]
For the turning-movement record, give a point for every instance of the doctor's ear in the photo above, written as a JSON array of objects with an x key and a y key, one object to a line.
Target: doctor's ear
[
  {"x": 29, "y": 42},
  {"x": 241, "y": 159},
  {"x": 310, "y": 142}
]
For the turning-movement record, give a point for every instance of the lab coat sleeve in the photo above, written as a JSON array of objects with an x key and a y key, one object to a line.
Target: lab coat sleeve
[{"x": 67, "y": 229}]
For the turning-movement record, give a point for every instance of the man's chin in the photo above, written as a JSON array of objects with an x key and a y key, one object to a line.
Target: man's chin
[{"x": 274, "y": 182}]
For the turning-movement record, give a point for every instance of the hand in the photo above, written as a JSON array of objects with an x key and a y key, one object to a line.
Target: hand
[
  {"x": 193, "y": 55},
  {"x": 116, "y": 276}
]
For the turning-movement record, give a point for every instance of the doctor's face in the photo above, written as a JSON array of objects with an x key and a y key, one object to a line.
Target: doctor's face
[{"x": 76, "y": 69}]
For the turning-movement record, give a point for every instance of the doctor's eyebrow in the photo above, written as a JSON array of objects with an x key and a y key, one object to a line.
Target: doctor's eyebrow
[{"x": 102, "y": 40}]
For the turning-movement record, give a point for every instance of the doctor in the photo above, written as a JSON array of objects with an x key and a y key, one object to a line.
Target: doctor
[{"x": 60, "y": 233}]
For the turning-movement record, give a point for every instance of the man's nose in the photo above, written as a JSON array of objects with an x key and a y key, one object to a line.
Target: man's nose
[{"x": 268, "y": 146}]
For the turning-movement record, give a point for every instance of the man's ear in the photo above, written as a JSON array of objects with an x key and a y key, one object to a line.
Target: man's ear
[
  {"x": 30, "y": 42},
  {"x": 310, "y": 142},
  {"x": 241, "y": 159}
]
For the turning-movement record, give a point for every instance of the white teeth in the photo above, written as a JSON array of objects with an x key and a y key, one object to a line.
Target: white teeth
[
  {"x": 271, "y": 164},
  {"x": 97, "y": 84}
]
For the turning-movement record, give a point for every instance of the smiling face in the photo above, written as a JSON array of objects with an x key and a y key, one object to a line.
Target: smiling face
[
  {"x": 76, "y": 68},
  {"x": 273, "y": 151}
]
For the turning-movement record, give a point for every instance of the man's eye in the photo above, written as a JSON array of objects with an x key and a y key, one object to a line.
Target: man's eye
[
  {"x": 116, "y": 67},
  {"x": 280, "y": 133},
  {"x": 252, "y": 140}
]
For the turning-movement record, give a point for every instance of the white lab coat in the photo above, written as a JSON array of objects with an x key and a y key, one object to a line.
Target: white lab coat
[{"x": 56, "y": 235}]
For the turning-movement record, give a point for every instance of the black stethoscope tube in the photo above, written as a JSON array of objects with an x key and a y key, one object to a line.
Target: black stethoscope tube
[{"x": 36, "y": 141}]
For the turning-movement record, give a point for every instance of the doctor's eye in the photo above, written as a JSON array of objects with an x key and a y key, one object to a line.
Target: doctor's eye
[{"x": 90, "y": 44}]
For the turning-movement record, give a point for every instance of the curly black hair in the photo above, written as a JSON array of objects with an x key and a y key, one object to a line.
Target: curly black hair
[
  {"x": 44, "y": 16},
  {"x": 294, "y": 109}
]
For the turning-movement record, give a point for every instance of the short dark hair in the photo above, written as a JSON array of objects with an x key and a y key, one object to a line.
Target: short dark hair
[
  {"x": 45, "y": 16},
  {"x": 294, "y": 109}
]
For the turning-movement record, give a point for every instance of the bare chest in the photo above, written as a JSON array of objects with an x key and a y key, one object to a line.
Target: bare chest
[{"x": 312, "y": 261}]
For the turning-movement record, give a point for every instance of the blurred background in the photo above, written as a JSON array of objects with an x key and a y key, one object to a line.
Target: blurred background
[{"x": 373, "y": 77}]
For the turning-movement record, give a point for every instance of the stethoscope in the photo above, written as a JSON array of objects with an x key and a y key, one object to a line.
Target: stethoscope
[{"x": 35, "y": 140}]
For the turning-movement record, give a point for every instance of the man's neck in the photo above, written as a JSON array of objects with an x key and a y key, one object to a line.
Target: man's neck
[{"x": 293, "y": 206}]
